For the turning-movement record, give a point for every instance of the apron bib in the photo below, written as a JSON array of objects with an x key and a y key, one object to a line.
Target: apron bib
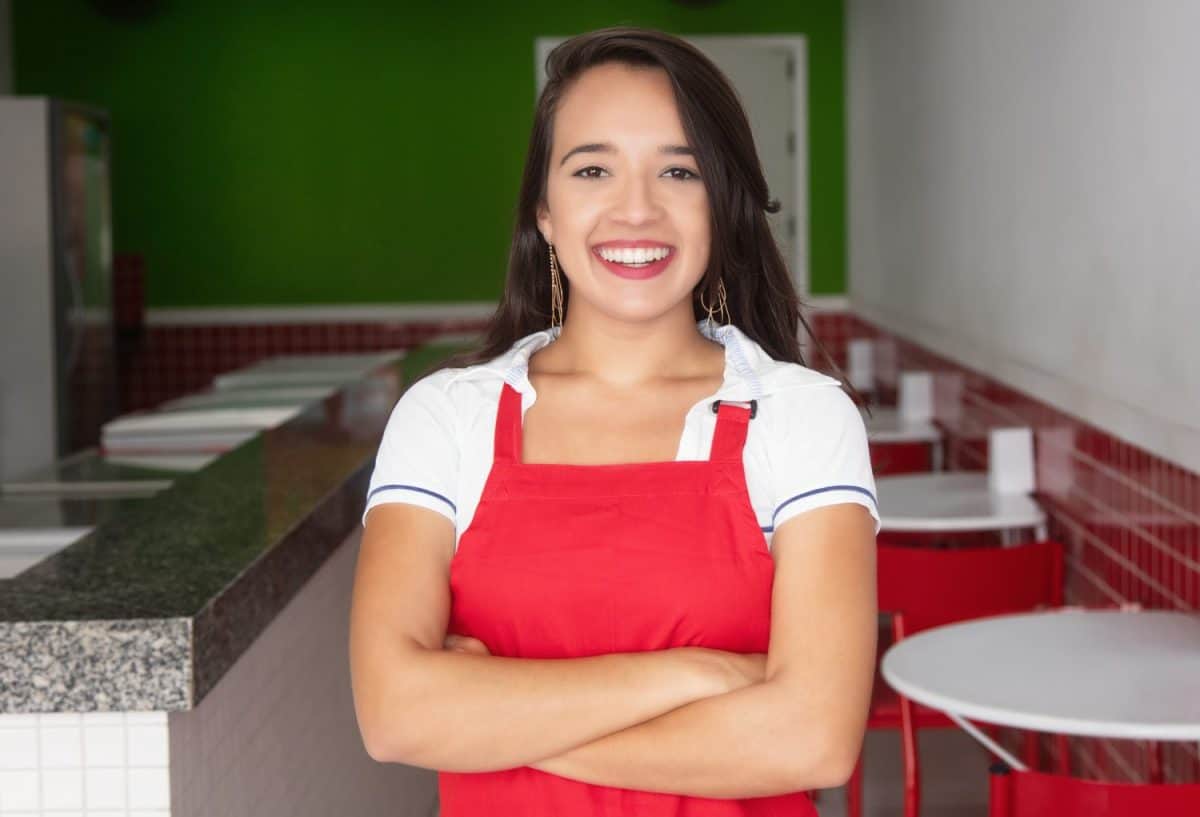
[{"x": 567, "y": 561}]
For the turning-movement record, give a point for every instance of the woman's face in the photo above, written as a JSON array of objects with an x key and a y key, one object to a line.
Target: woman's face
[{"x": 621, "y": 174}]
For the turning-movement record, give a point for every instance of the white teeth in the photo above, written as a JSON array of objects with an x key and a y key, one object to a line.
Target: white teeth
[{"x": 637, "y": 255}]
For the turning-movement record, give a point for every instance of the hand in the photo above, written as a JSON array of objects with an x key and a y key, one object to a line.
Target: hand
[{"x": 465, "y": 643}]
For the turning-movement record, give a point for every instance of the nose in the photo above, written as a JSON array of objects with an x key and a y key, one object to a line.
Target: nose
[{"x": 636, "y": 201}]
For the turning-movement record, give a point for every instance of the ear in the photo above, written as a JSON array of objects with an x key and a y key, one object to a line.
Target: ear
[{"x": 543, "y": 223}]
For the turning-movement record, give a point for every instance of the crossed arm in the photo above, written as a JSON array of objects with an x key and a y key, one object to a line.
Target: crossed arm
[
  {"x": 802, "y": 726},
  {"x": 799, "y": 727}
]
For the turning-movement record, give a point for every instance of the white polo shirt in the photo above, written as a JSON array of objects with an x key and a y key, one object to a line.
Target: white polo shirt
[{"x": 805, "y": 448}]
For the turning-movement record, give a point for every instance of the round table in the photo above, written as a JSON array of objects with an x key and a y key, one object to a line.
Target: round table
[
  {"x": 885, "y": 426},
  {"x": 1096, "y": 673},
  {"x": 954, "y": 501}
]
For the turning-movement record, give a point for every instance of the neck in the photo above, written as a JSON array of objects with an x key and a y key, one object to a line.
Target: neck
[{"x": 623, "y": 354}]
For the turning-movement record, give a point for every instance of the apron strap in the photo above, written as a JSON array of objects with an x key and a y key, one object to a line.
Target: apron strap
[
  {"x": 733, "y": 421},
  {"x": 507, "y": 444}
]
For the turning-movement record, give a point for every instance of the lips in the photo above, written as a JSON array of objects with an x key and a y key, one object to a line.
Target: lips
[{"x": 639, "y": 272}]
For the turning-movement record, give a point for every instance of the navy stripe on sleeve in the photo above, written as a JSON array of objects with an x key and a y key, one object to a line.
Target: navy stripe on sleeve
[
  {"x": 806, "y": 494},
  {"x": 412, "y": 488}
]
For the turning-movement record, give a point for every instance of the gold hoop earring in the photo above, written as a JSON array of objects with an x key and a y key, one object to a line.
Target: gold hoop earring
[
  {"x": 722, "y": 305},
  {"x": 556, "y": 296}
]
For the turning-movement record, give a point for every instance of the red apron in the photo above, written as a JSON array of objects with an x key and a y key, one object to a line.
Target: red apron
[{"x": 565, "y": 561}]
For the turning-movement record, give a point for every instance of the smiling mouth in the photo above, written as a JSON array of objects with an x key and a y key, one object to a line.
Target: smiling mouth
[
  {"x": 635, "y": 262},
  {"x": 634, "y": 257}
]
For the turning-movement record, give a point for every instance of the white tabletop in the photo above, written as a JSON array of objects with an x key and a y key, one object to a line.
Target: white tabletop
[
  {"x": 952, "y": 501},
  {"x": 885, "y": 426},
  {"x": 1099, "y": 673}
]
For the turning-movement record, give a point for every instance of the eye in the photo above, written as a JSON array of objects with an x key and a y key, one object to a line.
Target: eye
[
  {"x": 583, "y": 174},
  {"x": 690, "y": 175}
]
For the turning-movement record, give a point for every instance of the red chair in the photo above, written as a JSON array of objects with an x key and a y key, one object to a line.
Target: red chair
[
  {"x": 925, "y": 588},
  {"x": 1037, "y": 794},
  {"x": 888, "y": 459}
]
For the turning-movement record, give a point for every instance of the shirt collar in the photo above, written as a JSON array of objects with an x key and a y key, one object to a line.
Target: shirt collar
[{"x": 750, "y": 373}]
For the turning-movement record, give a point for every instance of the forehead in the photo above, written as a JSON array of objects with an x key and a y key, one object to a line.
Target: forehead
[{"x": 621, "y": 104}]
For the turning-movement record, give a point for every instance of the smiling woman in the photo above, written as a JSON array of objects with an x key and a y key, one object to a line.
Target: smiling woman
[{"x": 620, "y": 559}]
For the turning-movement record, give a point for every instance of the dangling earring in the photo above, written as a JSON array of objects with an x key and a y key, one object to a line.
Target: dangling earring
[
  {"x": 556, "y": 298},
  {"x": 722, "y": 305}
]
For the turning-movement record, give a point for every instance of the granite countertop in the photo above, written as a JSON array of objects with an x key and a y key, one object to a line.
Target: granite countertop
[{"x": 149, "y": 610}]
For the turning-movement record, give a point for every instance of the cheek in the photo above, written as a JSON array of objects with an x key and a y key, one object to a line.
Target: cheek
[
  {"x": 696, "y": 212},
  {"x": 698, "y": 228}
]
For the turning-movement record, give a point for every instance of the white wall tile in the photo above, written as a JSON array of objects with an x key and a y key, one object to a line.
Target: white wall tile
[
  {"x": 61, "y": 747},
  {"x": 149, "y": 789},
  {"x": 147, "y": 744},
  {"x": 105, "y": 788},
  {"x": 62, "y": 789},
  {"x": 104, "y": 745},
  {"x": 18, "y": 791},
  {"x": 18, "y": 748}
]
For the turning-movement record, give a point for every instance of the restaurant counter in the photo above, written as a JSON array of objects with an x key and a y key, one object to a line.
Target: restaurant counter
[{"x": 208, "y": 626}]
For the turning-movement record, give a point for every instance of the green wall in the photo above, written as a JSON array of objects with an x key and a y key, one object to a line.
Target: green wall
[{"x": 358, "y": 152}]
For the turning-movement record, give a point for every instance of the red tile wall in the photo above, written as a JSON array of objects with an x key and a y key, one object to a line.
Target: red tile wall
[
  {"x": 1129, "y": 520},
  {"x": 170, "y": 361}
]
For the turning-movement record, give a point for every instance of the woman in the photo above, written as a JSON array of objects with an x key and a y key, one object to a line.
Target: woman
[{"x": 563, "y": 602}]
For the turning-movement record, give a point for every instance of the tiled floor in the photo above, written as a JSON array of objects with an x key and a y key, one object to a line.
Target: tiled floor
[{"x": 954, "y": 777}]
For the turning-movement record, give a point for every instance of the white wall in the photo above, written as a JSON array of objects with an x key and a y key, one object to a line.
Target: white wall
[
  {"x": 1025, "y": 198},
  {"x": 6, "y": 81}
]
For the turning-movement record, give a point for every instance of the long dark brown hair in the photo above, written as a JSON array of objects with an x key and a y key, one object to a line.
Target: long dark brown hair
[{"x": 762, "y": 300}]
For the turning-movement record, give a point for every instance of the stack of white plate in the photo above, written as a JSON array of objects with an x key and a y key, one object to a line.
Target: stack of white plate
[
  {"x": 212, "y": 430},
  {"x": 305, "y": 370},
  {"x": 250, "y": 398}
]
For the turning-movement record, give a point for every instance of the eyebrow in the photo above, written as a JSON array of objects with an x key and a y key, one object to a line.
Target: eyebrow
[{"x": 607, "y": 147}]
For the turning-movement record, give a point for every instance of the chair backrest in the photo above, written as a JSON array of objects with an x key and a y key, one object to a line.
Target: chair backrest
[
  {"x": 900, "y": 458},
  {"x": 1035, "y": 794},
  {"x": 933, "y": 586}
]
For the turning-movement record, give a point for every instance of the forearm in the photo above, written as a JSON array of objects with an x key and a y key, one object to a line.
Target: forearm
[
  {"x": 456, "y": 711},
  {"x": 738, "y": 744}
]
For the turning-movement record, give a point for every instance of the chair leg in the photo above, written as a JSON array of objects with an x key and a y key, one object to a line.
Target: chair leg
[
  {"x": 1154, "y": 760},
  {"x": 1033, "y": 751},
  {"x": 1062, "y": 746},
  {"x": 854, "y": 790},
  {"x": 912, "y": 761},
  {"x": 992, "y": 731}
]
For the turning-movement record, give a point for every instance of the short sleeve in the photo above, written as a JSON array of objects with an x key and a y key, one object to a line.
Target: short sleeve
[
  {"x": 821, "y": 455},
  {"x": 418, "y": 457}
]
